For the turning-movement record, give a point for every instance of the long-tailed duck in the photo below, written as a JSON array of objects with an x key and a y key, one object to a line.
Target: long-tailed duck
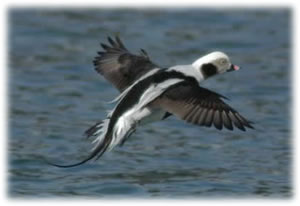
[{"x": 150, "y": 93}]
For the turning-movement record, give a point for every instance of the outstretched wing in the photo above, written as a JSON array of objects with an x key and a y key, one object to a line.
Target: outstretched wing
[
  {"x": 201, "y": 106},
  {"x": 119, "y": 66}
]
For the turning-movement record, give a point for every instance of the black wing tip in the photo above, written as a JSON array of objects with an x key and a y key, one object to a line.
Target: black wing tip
[
  {"x": 243, "y": 127},
  {"x": 116, "y": 43},
  {"x": 218, "y": 126},
  {"x": 250, "y": 126},
  {"x": 119, "y": 42},
  {"x": 114, "y": 46},
  {"x": 247, "y": 124},
  {"x": 144, "y": 53},
  {"x": 236, "y": 121},
  {"x": 224, "y": 97},
  {"x": 105, "y": 46},
  {"x": 111, "y": 41}
]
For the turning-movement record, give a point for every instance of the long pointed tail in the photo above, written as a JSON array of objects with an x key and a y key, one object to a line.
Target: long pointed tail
[
  {"x": 98, "y": 152},
  {"x": 102, "y": 141},
  {"x": 107, "y": 136}
]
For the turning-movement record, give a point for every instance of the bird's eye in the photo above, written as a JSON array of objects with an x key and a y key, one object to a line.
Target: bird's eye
[{"x": 223, "y": 61}]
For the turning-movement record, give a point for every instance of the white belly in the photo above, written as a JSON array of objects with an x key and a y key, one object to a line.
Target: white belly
[
  {"x": 140, "y": 113},
  {"x": 127, "y": 123},
  {"x": 151, "y": 115},
  {"x": 141, "y": 116}
]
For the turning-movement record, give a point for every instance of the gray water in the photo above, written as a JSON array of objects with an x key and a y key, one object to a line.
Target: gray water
[{"x": 55, "y": 95}]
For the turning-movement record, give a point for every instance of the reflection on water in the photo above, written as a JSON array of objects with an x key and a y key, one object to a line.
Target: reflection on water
[{"x": 55, "y": 95}]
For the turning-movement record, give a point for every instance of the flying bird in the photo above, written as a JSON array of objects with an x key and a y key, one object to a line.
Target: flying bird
[{"x": 150, "y": 93}]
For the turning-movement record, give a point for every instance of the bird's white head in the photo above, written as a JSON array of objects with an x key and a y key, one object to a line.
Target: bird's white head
[{"x": 214, "y": 63}]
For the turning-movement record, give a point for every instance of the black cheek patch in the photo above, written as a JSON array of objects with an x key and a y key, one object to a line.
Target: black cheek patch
[{"x": 208, "y": 70}]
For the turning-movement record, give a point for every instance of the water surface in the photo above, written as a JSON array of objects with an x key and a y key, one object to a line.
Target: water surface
[{"x": 55, "y": 95}]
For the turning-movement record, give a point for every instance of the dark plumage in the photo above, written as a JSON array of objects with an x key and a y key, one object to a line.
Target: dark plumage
[
  {"x": 119, "y": 66},
  {"x": 200, "y": 106}
]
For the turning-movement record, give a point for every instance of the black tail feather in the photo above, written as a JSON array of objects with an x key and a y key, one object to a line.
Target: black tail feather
[
  {"x": 91, "y": 131},
  {"x": 98, "y": 152}
]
